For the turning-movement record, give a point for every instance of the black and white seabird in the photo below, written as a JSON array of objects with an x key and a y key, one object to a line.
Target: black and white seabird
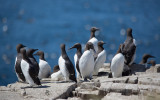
[
  {"x": 77, "y": 57},
  {"x": 66, "y": 65},
  {"x": 86, "y": 62},
  {"x": 18, "y": 69},
  {"x": 129, "y": 48},
  {"x": 44, "y": 67},
  {"x": 32, "y": 59},
  {"x": 152, "y": 62},
  {"x": 117, "y": 63},
  {"x": 100, "y": 59},
  {"x": 145, "y": 58},
  {"x": 93, "y": 39},
  {"x": 57, "y": 74},
  {"x": 29, "y": 70}
]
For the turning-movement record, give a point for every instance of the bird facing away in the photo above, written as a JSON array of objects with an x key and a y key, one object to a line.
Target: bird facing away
[
  {"x": 32, "y": 59},
  {"x": 77, "y": 56},
  {"x": 129, "y": 48},
  {"x": 66, "y": 65},
  {"x": 93, "y": 39},
  {"x": 44, "y": 67},
  {"x": 28, "y": 69},
  {"x": 100, "y": 59},
  {"x": 117, "y": 63},
  {"x": 86, "y": 62},
  {"x": 17, "y": 66}
]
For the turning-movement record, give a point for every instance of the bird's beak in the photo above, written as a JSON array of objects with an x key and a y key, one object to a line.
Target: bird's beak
[
  {"x": 71, "y": 48},
  {"x": 97, "y": 29},
  {"x": 104, "y": 43},
  {"x": 152, "y": 57},
  {"x": 35, "y": 49}
]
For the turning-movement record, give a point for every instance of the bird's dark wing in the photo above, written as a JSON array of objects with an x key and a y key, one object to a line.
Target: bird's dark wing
[
  {"x": 33, "y": 75},
  {"x": 129, "y": 53},
  {"x": 71, "y": 70},
  {"x": 36, "y": 65}
]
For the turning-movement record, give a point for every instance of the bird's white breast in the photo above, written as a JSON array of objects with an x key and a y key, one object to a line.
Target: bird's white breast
[
  {"x": 57, "y": 76},
  {"x": 94, "y": 41},
  {"x": 99, "y": 61},
  {"x": 25, "y": 70},
  {"x": 44, "y": 69},
  {"x": 63, "y": 68},
  {"x": 117, "y": 65},
  {"x": 86, "y": 63}
]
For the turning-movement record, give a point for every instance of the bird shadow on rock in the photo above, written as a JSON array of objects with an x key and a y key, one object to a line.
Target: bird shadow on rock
[{"x": 42, "y": 86}]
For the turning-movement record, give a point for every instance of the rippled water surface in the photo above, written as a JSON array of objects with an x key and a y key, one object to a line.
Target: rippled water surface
[{"x": 46, "y": 24}]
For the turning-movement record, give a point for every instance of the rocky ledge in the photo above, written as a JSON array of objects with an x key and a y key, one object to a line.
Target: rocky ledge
[{"x": 142, "y": 84}]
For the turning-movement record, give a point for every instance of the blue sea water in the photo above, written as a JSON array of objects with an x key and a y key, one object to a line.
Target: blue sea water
[{"x": 45, "y": 24}]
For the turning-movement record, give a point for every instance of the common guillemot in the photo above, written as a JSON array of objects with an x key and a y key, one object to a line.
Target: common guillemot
[
  {"x": 76, "y": 58},
  {"x": 66, "y": 65},
  {"x": 18, "y": 69},
  {"x": 117, "y": 63},
  {"x": 29, "y": 70},
  {"x": 129, "y": 48},
  {"x": 44, "y": 67},
  {"x": 86, "y": 62},
  {"x": 100, "y": 59}
]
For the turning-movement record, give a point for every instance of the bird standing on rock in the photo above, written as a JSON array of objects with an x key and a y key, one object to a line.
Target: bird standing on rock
[
  {"x": 101, "y": 57},
  {"x": 86, "y": 62},
  {"x": 18, "y": 60},
  {"x": 44, "y": 67},
  {"x": 29, "y": 70},
  {"x": 117, "y": 63},
  {"x": 129, "y": 48},
  {"x": 66, "y": 65},
  {"x": 77, "y": 57}
]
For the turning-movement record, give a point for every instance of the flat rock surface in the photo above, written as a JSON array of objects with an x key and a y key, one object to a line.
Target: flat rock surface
[
  {"x": 48, "y": 90},
  {"x": 142, "y": 85}
]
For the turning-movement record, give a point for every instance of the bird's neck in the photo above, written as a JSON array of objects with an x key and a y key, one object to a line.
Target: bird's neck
[{"x": 92, "y": 34}]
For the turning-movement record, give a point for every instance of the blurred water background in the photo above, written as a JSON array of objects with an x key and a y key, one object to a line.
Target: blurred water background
[{"x": 45, "y": 24}]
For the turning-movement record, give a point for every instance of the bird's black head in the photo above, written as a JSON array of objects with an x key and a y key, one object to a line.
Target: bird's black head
[
  {"x": 146, "y": 56},
  {"x": 19, "y": 46},
  {"x": 56, "y": 68},
  {"x": 39, "y": 53},
  {"x": 93, "y": 29},
  {"x": 129, "y": 32},
  {"x": 100, "y": 43},
  {"x": 89, "y": 46},
  {"x": 30, "y": 52},
  {"x": 77, "y": 45}
]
